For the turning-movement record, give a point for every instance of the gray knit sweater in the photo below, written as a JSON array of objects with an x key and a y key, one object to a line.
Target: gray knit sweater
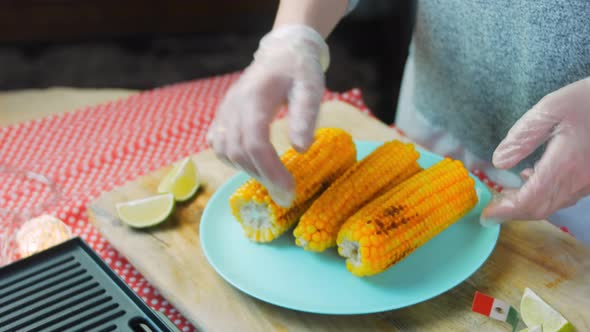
[{"x": 478, "y": 65}]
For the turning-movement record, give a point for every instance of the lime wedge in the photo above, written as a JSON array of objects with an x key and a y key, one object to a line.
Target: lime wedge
[
  {"x": 182, "y": 180},
  {"x": 534, "y": 311},
  {"x": 146, "y": 212}
]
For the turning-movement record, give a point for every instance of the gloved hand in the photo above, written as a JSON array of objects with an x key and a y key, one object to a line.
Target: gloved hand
[
  {"x": 288, "y": 66},
  {"x": 562, "y": 176}
]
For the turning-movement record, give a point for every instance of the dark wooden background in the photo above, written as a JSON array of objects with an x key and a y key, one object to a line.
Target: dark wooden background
[
  {"x": 144, "y": 44},
  {"x": 69, "y": 20}
]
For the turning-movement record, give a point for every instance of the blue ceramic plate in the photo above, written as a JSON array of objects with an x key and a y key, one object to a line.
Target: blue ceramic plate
[{"x": 285, "y": 275}]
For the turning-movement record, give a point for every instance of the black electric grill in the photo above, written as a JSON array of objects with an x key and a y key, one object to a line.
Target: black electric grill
[{"x": 69, "y": 288}]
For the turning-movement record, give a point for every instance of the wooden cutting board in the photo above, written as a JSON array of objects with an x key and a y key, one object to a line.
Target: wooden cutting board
[{"x": 528, "y": 254}]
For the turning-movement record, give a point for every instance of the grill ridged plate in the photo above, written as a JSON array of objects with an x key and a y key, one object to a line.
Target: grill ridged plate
[{"x": 69, "y": 288}]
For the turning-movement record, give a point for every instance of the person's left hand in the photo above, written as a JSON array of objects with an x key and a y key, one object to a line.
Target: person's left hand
[{"x": 562, "y": 176}]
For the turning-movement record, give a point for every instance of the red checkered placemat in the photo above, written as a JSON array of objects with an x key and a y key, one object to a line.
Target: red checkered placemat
[{"x": 97, "y": 148}]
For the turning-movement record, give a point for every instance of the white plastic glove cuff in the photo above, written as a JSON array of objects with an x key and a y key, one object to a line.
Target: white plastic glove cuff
[{"x": 302, "y": 39}]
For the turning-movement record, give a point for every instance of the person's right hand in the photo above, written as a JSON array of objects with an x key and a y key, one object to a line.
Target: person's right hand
[{"x": 288, "y": 66}]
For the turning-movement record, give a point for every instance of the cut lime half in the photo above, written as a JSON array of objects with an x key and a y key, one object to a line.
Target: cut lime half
[
  {"x": 146, "y": 212},
  {"x": 536, "y": 312},
  {"x": 182, "y": 180}
]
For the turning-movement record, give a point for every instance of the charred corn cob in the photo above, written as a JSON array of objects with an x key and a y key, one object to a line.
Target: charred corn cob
[
  {"x": 396, "y": 223},
  {"x": 262, "y": 220},
  {"x": 386, "y": 167}
]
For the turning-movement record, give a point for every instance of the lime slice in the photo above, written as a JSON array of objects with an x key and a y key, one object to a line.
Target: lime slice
[
  {"x": 182, "y": 180},
  {"x": 534, "y": 311},
  {"x": 146, "y": 212}
]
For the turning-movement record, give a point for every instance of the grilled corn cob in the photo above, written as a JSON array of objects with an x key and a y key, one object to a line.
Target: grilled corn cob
[
  {"x": 262, "y": 220},
  {"x": 387, "y": 166},
  {"x": 396, "y": 223}
]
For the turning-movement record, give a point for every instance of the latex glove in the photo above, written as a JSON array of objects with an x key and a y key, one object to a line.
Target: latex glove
[
  {"x": 288, "y": 66},
  {"x": 562, "y": 176}
]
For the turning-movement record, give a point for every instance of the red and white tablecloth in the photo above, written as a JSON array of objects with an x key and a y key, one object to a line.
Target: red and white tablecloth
[{"x": 97, "y": 148}]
